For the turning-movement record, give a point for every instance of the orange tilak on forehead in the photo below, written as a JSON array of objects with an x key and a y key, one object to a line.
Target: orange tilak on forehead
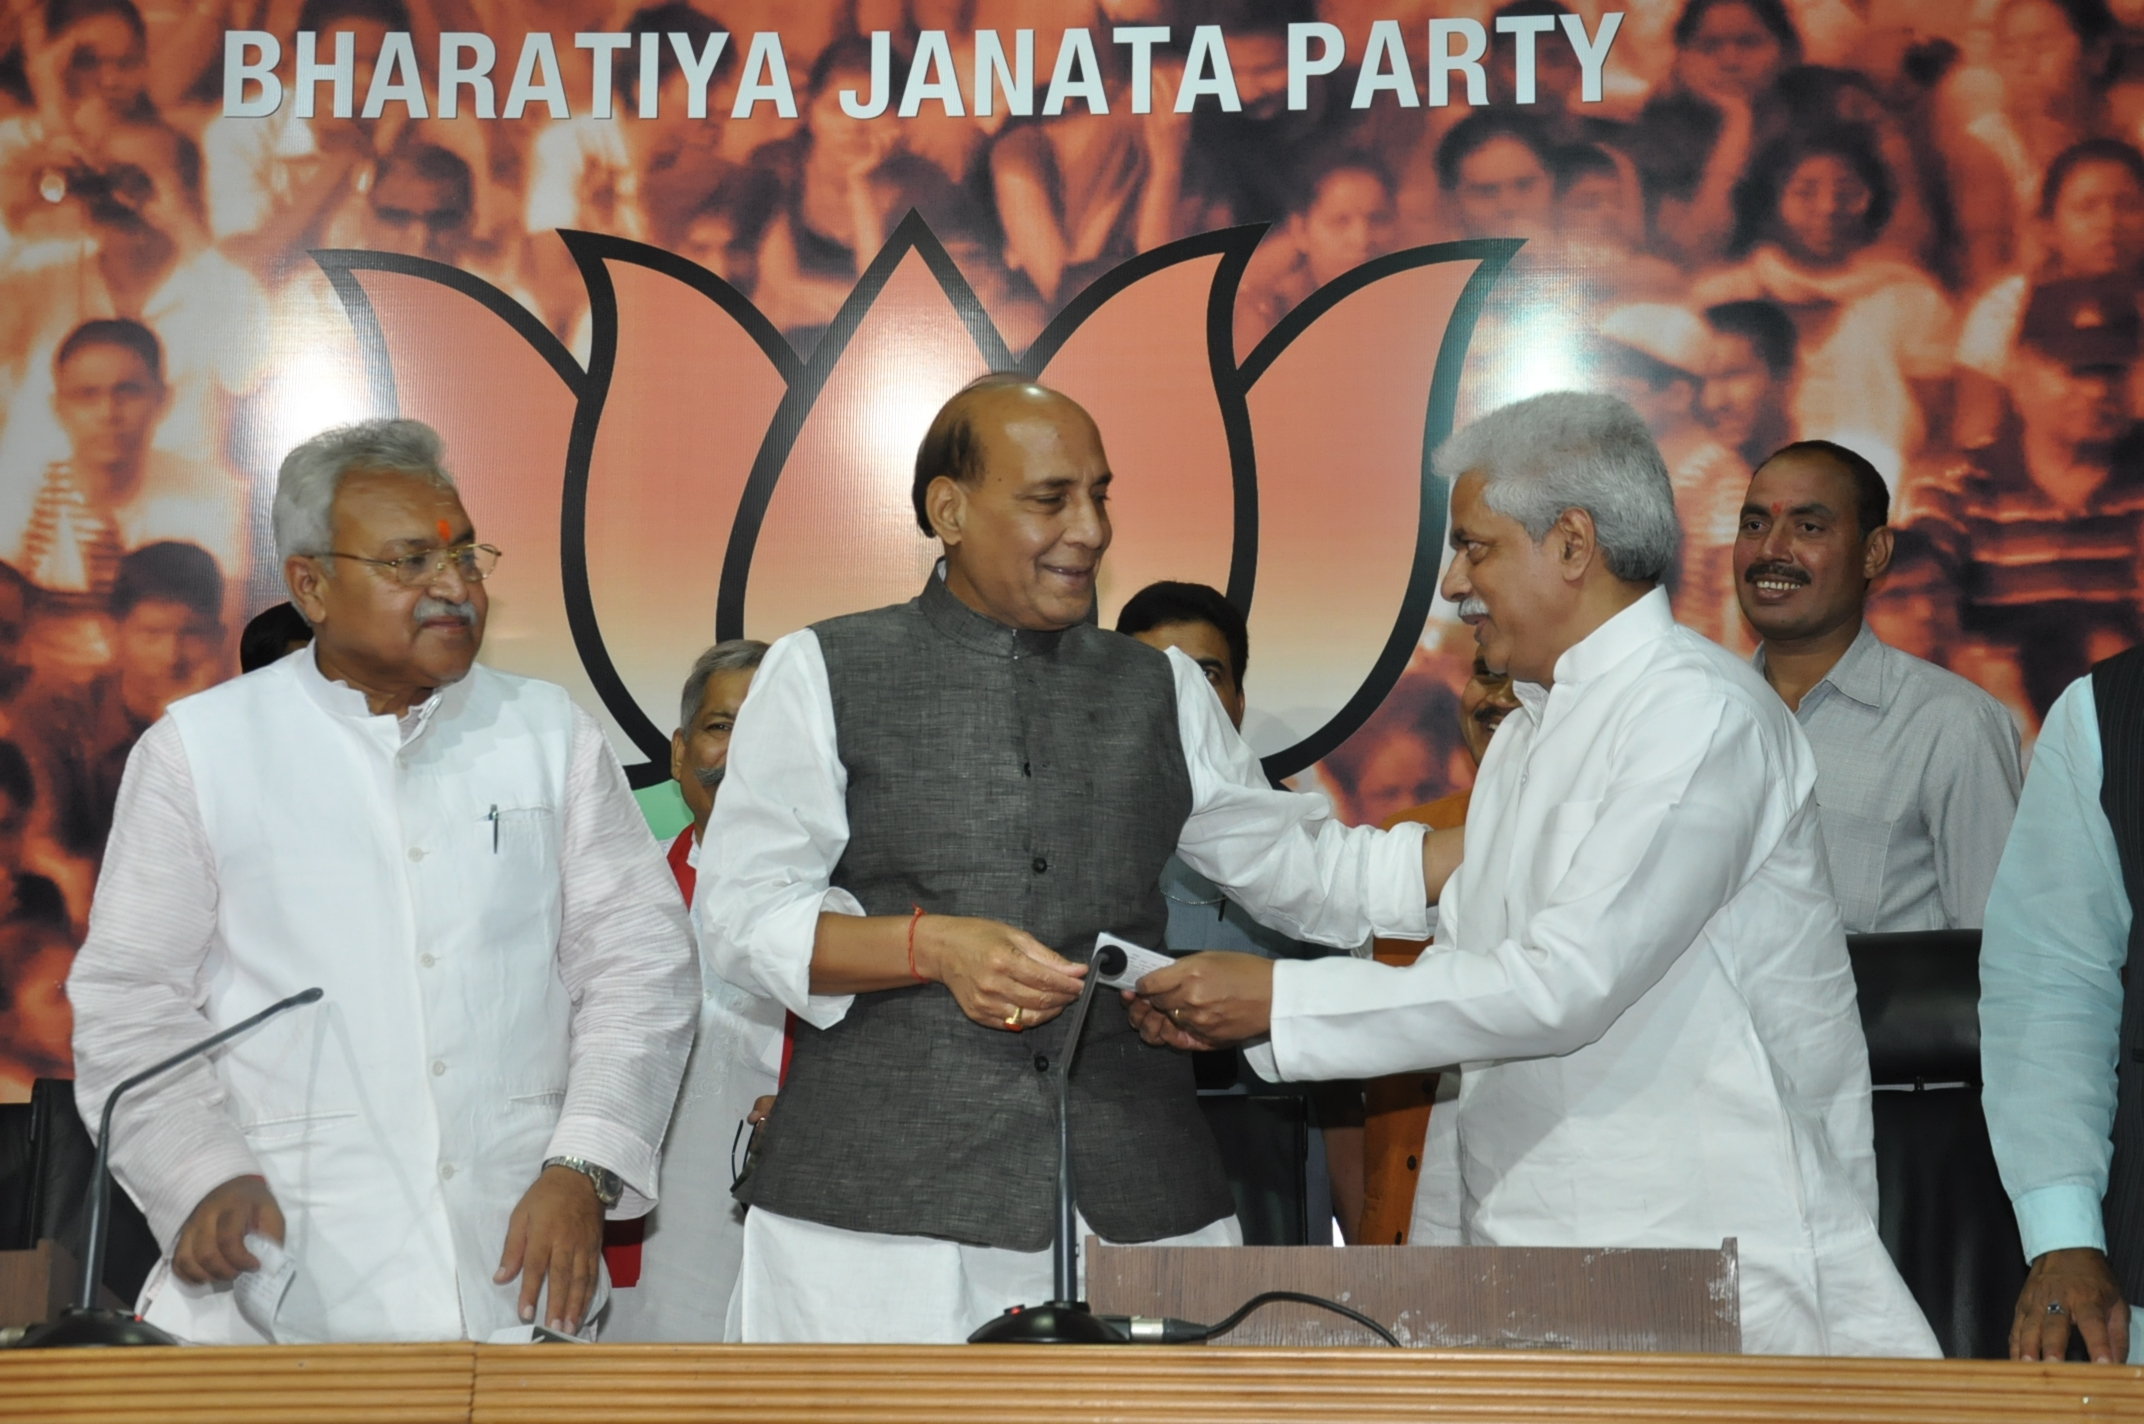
[{"x": 446, "y": 532}]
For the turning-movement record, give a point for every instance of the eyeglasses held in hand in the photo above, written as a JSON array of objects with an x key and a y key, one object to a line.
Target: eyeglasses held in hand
[{"x": 473, "y": 563}]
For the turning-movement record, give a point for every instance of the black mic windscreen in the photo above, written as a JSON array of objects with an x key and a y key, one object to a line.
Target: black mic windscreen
[{"x": 1109, "y": 961}]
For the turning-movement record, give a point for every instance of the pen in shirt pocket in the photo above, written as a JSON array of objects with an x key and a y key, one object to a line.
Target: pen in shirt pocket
[{"x": 495, "y": 829}]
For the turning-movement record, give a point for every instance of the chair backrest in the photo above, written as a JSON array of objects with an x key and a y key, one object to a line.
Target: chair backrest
[
  {"x": 16, "y": 1193},
  {"x": 1942, "y": 1211},
  {"x": 62, "y": 1157},
  {"x": 1920, "y": 1004}
]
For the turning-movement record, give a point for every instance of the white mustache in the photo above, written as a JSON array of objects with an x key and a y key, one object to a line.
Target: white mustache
[
  {"x": 429, "y": 608},
  {"x": 1472, "y": 607},
  {"x": 709, "y": 776}
]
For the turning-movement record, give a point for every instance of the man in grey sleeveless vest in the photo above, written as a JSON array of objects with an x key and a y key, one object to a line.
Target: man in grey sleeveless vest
[
  {"x": 931, "y": 811},
  {"x": 2062, "y": 1020}
]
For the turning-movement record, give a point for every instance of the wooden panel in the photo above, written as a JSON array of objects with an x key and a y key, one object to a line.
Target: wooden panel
[
  {"x": 654, "y": 1384},
  {"x": 714, "y": 1384},
  {"x": 35, "y": 1284},
  {"x": 297, "y": 1384},
  {"x": 1526, "y": 1298}
]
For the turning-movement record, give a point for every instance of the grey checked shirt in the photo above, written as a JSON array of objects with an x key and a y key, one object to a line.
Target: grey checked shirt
[{"x": 1916, "y": 781}]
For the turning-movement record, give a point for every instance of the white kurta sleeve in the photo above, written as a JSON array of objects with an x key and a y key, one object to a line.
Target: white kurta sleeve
[
  {"x": 136, "y": 990},
  {"x": 625, "y": 955},
  {"x": 1280, "y": 854},
  {"x": 780, "y": 826},
  {"x": 1672, "y": 839}
]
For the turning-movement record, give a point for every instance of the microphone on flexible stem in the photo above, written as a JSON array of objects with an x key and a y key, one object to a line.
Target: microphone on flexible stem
[
  {"x": 1064, "y": 1319},
  {"x": 86, "y": 1323}
]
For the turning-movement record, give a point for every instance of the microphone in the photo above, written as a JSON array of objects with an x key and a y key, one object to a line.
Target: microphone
[
  {"x": 1064, "y": 1319},
  {"x": 85, "y": 1323}
]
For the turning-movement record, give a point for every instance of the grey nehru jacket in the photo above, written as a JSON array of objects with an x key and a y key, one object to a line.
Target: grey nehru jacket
[
  {"x": 1035, "y": 778},
  {"x": 1916, "y": 781}
]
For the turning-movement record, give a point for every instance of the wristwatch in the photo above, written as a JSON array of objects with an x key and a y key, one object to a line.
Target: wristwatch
[{"x": 608, "y": 1184}]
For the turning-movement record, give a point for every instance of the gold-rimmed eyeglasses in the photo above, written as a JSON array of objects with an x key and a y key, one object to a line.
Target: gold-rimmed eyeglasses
[{"x": 473, "y": 563}]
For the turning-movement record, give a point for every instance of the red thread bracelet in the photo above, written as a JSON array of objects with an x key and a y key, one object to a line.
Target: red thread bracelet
[{"x": 912, "y": 920}]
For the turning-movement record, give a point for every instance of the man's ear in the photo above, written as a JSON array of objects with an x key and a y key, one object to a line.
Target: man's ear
[
  {"x": 304, "y": 578},
  {"x": 947, "y": 504},
  {"x": 1876, "y": 556},
  {"x": 1574, "y": 543},
  {"x": 677, "y": 756}
]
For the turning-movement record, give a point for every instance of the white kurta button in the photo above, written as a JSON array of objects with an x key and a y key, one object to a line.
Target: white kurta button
[
  {"x": 439, "y": 1067},
  {"x": 416, "y": 853},
  {"x": 426, "y": 960},
  {"x": 446, "y": 1171}
]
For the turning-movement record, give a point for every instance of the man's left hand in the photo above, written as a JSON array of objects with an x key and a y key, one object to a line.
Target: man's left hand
[
  {"x": 1205, "y": 1000},
  {"x": 556, "y": 1233}
]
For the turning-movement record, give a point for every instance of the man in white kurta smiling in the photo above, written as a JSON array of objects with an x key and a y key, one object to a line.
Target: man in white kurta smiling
[
  {"x": 1638, "y": 960},
  {"x": 453, "y": 855}
]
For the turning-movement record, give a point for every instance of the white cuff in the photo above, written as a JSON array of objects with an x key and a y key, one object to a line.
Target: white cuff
[
  {"x": 2061, "y": 1217},
  {"x": 1394, "y": 892}
]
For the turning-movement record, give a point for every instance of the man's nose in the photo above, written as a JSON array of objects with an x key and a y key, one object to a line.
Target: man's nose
[
  {"x": 448, "y": 583},
  {"x": 1088, "y": 526},
  {"x": 1455, "y": 586}
]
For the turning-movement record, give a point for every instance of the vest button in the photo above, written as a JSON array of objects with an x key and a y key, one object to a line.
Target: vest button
[
  {"x": 1041, "y": 865},
  {"x": 1412, "y": 1164},
  {"x": 1042, "y": 1064}
]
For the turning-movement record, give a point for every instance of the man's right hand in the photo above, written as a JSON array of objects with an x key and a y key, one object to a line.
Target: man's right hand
[
  {"x": 994, "y": 969},
  {"x": 212, "y": 1243},
  {"x": 2083, "y": 1285}
]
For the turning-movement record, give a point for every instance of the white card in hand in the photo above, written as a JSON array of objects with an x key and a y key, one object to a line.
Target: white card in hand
[{"x": 1139, "y": 962}]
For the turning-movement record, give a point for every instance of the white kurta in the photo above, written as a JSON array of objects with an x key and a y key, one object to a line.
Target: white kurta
[
  {"x": 507, "y": 969},
  {"x": 695, "y": 1239},
  {"x": 772, "y": 850},
  {"x": 1642, "y": 969}
]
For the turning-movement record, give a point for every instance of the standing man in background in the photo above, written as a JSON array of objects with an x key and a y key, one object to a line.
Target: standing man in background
[
  {"x": 1396, "y": 1107},
  {"x": 1201, "y": 623},
  {"x": 1916, "y": 768},
  {"x": 688, "y": 1247}
]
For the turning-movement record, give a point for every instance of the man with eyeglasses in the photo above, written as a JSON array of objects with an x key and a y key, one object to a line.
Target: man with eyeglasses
[{"x": 453, "y": 855}]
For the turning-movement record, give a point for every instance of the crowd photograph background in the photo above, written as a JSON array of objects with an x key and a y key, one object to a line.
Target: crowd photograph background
[{"x": 1782, "y": 219}]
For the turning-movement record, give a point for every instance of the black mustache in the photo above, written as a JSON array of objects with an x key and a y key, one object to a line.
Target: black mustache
[{"x": 1785, "y": 572}]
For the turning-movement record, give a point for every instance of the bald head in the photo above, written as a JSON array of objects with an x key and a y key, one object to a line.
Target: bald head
[
  {"x": 959, "y": 444},
  {"x": 1013, "y": 482}
]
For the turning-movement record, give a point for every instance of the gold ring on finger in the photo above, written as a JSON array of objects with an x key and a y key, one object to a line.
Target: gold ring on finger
[{"x": 1012, "y": 1020}]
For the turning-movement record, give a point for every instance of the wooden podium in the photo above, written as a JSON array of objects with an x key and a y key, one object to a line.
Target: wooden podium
[{"x": 1448, "y": 1297}]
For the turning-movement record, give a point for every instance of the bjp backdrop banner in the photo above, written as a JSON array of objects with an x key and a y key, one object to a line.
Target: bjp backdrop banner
[{"x": 682, "y": 286}]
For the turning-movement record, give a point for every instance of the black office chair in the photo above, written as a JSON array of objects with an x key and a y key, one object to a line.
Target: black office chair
[
  {"x": 46, "y": 1158},
  {"x": 1943, "y": 1213}
]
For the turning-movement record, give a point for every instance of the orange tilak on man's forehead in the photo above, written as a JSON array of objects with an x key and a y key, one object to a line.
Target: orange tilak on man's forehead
[{"x": 446, "y": 532}]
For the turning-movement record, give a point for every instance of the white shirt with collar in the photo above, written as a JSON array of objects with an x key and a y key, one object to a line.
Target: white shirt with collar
[
  {"x": 1916, "y": 782},
  {"x": 508, "y": 978},
  {"x": 1641, "y": 967}
]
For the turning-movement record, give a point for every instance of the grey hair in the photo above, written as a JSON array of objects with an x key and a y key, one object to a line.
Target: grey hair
[
  {"x": 305, "y": 488},
  {"x": 733, "y": 655},
  {"x": 1575, "y": 450}
]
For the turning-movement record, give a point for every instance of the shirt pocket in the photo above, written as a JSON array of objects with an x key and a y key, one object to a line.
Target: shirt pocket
[{"x": 1856, "y": 848}]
